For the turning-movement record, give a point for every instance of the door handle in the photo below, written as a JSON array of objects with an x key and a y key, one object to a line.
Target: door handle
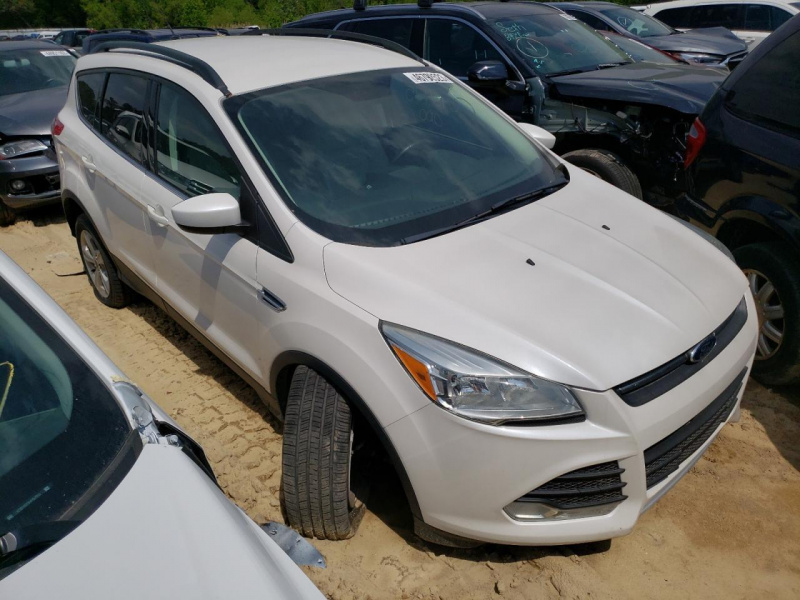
[
  {"x": 90, "y": 166},
  {"x": 157, "y": 216}
]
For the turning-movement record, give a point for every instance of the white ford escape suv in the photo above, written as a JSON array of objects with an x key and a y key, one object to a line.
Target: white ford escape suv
[{"x": 369, "y": 242}]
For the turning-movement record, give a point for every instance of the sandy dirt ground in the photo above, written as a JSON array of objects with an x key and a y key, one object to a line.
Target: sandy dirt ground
[{"x": 729, "y": 529}]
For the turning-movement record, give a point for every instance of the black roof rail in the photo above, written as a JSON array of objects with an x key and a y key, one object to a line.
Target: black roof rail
[
  {"x": 339, "y": 35},
  {"x": 185, "y": 27},
  {"x": 122, "y": 30},
  {"x": 197, "y": 66}
]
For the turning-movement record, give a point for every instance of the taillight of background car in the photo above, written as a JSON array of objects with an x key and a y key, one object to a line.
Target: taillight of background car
[
  {"x": 57, "y": 127},
  {"x": 695, "y": 141}
]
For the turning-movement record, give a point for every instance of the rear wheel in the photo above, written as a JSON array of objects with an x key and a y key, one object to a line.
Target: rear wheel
[
  {"x": 107, "y": 286},
  {"x": 607, "y": 166},
  {"x": 317, "y": 456},
  {"x": 774, "y": 277},
  {"x": 7, "y": 215}
]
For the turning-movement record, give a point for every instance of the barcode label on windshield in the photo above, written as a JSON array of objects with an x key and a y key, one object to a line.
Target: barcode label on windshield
[
  {"x": 55, "y": 53},
  {"x": 428, "y": 78}
]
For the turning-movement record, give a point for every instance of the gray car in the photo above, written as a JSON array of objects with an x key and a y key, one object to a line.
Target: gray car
[{"x": 34, "y": 76}]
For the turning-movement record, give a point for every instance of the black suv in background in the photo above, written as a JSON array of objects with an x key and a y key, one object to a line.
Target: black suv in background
[
  {"x": 743, "y": 160},
  {"x": 625, "y": 122}
]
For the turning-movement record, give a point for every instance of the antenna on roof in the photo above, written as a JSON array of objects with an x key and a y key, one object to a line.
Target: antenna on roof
[
  {"x": 359, "y": 4},
  {"x": 171, "y": 30},
  {"x": 426, "y": 3}
]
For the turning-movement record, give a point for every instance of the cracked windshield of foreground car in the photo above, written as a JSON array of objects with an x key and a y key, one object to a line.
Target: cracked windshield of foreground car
[{"x": 375, "y": 158}]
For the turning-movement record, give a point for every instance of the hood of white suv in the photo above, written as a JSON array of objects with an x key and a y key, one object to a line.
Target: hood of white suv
[{"x": 588, "y": 286}]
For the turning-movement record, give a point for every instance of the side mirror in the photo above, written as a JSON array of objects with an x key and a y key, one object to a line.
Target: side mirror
[
  {"x": 545, "y": 138},
  {"x": 488, "y": 71},
  {"x": 209, "y": 211},
  {"x": 123, "y": 131}
]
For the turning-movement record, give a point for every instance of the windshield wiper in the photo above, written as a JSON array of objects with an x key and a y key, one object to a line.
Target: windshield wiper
[
  {"x": 41, "y": 535},
  {"x": 496, "y": 208},
  {"x": 615, "y": 64}
]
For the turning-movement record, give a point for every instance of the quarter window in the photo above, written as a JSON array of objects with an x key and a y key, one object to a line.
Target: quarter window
[
  {"x": 191, "y": 153},
  {"x": 455, "y": 46},
  {"x": 768, "y": 91},
  {"x": 394, "y": 30},
  {"x": 90, "y": 93},
  {"x": 123, "y": 114}
]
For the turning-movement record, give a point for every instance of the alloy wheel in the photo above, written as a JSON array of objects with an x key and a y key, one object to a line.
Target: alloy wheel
[
  {"x": 95, "y": 265},
  {"x": 770, "y": 314}
]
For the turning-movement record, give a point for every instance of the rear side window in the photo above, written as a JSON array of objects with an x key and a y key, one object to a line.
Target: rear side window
[
  {"x": 123, "y": 114},
  {"x": 759, "y": 17},
  {"x": 455, "y": 46},
  {"x": 395, "y": 30},
  {"x": 680, "y": 18},
  {"x": 717, "y": 15},
  {"x": 191, "y": 153},
  {"x": 767, "y": 93},
  {"x": 90, "y": 95}
]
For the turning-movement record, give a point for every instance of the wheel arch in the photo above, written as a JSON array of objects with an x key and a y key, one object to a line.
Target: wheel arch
[
  {"x": 280, "y": 378},
  {"x": 751, "y": 220},
  {"x": 72, "y": 209}
]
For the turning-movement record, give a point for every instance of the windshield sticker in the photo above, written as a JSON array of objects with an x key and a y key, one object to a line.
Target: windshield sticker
[
  {"x": 428, "y": 78},
  {"x": 568, "y": 17},
  {"x": 54, "y": 53}
]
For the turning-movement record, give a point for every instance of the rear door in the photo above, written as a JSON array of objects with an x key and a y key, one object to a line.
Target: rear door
[
  {"x": 111, "y": 164},
  {"x": 207, "y": 277}
]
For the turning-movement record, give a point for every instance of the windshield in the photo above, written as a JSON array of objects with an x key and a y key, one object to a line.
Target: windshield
[
  {"x": 641, "y": 52},
  {"x": 61, "y": 430},
  {"x": 558, "y": 43},
  {"x": 376, "y": 158},
  {"x": 34, "y": 69},
  {"x": 639, "y": 24}
]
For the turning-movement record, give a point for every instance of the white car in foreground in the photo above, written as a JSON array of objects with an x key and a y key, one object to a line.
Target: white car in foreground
[
  {"x": 375, "y": 247},
  {"x": 103, "y": 496}
]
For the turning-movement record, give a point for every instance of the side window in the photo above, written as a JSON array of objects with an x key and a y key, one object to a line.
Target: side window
[
  {"x": 123, "y": 113},
  {"x": 756, "y": 17},
  {"x": 90, "y": 93},
  {"x": 456, "y": 46},
  {"x": 716, "y": 15},
  {"x": 778, "y": 17},
  {"x": 59, "y": 39},
  {"x": 78, "y": 41},
  {"x": 191, "y": 153},
  {"x": 676, "y": 17},
  {"x": 394, "y": 30},
  {"x": 768, "y": 91},
  {"x": 590, "y": 20}
]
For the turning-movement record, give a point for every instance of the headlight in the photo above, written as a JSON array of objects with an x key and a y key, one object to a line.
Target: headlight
[
  {"x": 698, "y": 57},
  {"x": 20, "y": 148},
  {"x": 707, "y": 237},
  {"x": 475, "y": 386}
]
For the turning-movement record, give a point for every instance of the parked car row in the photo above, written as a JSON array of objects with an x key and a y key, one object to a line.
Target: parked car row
[{"x": 383, "y": 245}]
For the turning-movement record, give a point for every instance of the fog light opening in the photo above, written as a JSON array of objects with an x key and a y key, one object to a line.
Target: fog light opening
[
  {"x": 18, "y": 185},
  {"x": 537, "y": 511}
]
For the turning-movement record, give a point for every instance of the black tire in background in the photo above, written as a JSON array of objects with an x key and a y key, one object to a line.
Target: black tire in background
[
  {"x": 607, "y": 166},
  {"x": 776, "y": 264},
  {"x": 317, "y": 454},
  {"x": 7, "y": 215},
  {"x": 118, "y": 294}
]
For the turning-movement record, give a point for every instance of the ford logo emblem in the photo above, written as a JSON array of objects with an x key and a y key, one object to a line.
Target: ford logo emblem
[{"x": 701, "y": 351}]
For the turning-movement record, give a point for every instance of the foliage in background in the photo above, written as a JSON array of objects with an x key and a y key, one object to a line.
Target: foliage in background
[{"x": 104, "y": 14}]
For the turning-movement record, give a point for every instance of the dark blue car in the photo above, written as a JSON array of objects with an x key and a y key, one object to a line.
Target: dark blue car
[
  {"x": 144, "y": 35},
  {"x": 743, "y": 160}
]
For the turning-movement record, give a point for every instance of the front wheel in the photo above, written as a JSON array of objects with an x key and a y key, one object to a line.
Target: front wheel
[
  {"x": 774, "y": 277},
  {"x": 317, "y": 456},
  {"x": 607, "y": 166}
]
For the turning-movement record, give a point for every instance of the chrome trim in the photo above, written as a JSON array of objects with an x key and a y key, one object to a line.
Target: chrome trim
[{"x": 271, "y": 300}]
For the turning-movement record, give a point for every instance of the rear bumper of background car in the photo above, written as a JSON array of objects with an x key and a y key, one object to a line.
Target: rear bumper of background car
[
  {"x": 40, "y": 176},
  {"x": 466, "y": 474}
]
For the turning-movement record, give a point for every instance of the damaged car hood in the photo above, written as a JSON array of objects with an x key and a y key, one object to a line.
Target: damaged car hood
[
  {"x": 714, "y": 40},
  {"x": 683, "y": 88},
  {"x": 613, "y": 288},
  {"x": 30, "y": 113}
]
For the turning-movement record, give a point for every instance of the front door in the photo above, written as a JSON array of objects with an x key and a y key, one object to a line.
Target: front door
[{"x": 208, "y": 279}]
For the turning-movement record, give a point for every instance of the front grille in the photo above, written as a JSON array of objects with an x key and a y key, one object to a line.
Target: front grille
[
  {"x": 590, "y": 486},
  {"x": 665, "y": 457},
  {"x": 660, "y": 380}
]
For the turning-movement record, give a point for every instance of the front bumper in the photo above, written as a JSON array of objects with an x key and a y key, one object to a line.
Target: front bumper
[
  {"x": 41, "y": 177},
  {"x": 465, "y": 473}
]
